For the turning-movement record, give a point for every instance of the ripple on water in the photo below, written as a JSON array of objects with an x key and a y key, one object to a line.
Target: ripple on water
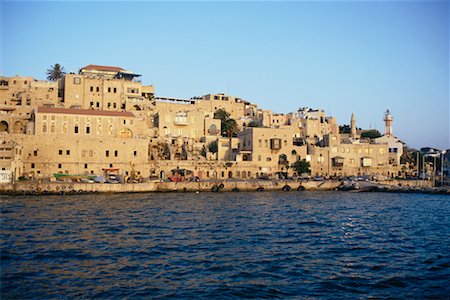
[{"x": 225, "y": 245}]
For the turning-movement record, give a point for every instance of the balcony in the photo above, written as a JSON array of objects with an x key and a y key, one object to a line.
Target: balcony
[{"x": 337, "y": 161}]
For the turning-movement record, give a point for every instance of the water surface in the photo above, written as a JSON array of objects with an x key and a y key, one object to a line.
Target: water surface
[{"x": 226, "y": 245}]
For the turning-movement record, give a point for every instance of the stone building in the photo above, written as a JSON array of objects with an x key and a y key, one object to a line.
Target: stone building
[
  {"x": 105, "y": 88},
  {"x": 104, "y": 117}
]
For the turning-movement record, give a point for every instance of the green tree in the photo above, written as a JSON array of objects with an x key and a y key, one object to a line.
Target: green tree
[
  {"x": 253, "y": 123},
  {"x": 221, "y": 114},
  {"x": 228, "y": 125},
  {"x": 213, "y": 147},
  {"x": 344, "y": 129},
  {"x": 55, "y": 72},
  {"x": 301, "y": 166},
  {"x": 370, "y": 134}
]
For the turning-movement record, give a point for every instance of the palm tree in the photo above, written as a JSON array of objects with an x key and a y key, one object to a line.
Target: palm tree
[{"x": 55, "y": 72}]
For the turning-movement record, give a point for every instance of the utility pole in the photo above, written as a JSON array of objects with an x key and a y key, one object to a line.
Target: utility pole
[{"x": 417, "y": 161}]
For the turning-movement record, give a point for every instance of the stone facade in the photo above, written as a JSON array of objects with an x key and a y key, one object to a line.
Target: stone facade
[{"x": 104, "y": 117}]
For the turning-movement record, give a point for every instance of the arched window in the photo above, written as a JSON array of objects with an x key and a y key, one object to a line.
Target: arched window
[{"x": 4, "y": 126}]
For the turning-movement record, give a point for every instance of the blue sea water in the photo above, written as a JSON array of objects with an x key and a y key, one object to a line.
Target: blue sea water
[{"x": 225, "y": 245}]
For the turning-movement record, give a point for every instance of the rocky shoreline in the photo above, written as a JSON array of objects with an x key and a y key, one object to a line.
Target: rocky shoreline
[{"x": 72, "y": 188}]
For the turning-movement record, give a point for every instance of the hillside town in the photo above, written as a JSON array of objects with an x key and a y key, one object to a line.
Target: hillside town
[{"x": 103, "y": 120}]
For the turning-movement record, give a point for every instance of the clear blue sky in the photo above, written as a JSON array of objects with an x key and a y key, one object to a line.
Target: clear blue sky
[{"x": 343, "y": 57}]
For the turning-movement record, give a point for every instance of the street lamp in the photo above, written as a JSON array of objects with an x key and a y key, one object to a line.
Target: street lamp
[{"x": 442, "y": 166}]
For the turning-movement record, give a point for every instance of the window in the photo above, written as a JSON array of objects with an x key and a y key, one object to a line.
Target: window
[
  {"x": 59, "y": 166},
  {"x": 44, "y": 127},
  {"x": 114, "y": 105},
  {"x": 83, "y": 153},
  {"x": 68, "y": 152},
  {"x": 35, "y": 152},
  {"x": 110, "y": 165},
  {"x": 116, "y": 153},
  {"x": 76, "y": 129},
  {"x": 109, "y": 90},
  {"x": 115, "y": 90},
  {"x": 107, "y": 153},
  {"x": 88, "y": 130},
  {"x": 60, "y": 152},
  {"x": 135, "y": 153},
  {"x": 92, "y": 104},
  {"x": 91, "y": 153},
  {"x": 92, "y": 88},
  {"x": 98, "y": 104},
  {"x": 85, "y": 166},
  {"x": 98, "y": 89},
  {"x": 76, "y": 80},
  {"x": 32, "y": 166},
  {"x": 109, "y": 104}
]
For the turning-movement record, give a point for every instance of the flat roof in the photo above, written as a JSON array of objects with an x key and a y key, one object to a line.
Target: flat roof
[{"x": 89, "y": 112}]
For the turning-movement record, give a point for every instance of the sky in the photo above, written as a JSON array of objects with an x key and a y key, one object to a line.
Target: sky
[{"x": 340, "y": 56}]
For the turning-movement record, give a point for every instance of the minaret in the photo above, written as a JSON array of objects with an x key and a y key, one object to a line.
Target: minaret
[
  {"x": 353, "y": 126},
  {"x": 388, "y": 123}
]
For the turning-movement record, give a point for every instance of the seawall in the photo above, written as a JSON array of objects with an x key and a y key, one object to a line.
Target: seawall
[{"x": 186, "y": 186}]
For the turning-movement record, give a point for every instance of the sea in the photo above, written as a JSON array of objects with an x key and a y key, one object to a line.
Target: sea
[{"x": 265, "y": 245}]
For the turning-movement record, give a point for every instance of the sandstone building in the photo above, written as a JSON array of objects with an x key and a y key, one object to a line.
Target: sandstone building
[{"x": 104, "y": 117}]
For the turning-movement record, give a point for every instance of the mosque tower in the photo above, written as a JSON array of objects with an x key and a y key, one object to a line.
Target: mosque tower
[
  {"x": 388, "y": 123},
  {"x": 353, "y": 126}
]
